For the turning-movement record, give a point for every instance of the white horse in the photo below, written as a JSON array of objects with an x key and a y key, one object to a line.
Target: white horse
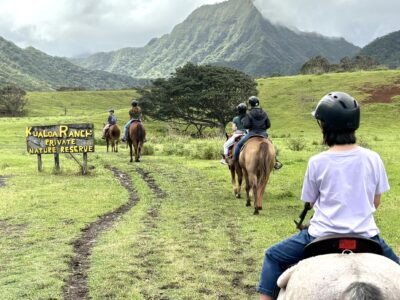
[{"x": 341, "y": 277}]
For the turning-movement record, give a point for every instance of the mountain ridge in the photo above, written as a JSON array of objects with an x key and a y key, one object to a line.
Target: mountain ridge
[
  {"x": 385, "y": 49},
  {"x": 33, "y": 69},
  {"x": 233, "y": 33}
]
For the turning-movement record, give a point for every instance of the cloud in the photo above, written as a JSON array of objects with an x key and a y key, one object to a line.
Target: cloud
[
  {"x": 359, "y": 21},
  {"x": 69, "y": 28}
]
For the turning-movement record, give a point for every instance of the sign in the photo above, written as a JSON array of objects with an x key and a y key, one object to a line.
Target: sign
[{"x": 56, "y": 139}]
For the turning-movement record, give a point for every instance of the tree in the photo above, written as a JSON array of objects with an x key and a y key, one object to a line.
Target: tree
[
  {"x": 12, "y": 100},
  {"x": 198, "y": 96},
  {"x": 364, "y": 62},
  {"x": 316, "y": 65}
]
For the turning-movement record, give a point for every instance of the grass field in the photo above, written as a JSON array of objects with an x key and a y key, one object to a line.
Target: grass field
[{"x": 187, "y": 237}]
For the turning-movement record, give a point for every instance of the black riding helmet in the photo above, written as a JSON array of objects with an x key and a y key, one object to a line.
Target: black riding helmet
[
  {"x": 135, "y": 103},
  {"x": 111, "y": 110},
  {"x": 338, "y": 111},
  {"x": 254, "y": 101},
  {"x": 242, "y": 108}
]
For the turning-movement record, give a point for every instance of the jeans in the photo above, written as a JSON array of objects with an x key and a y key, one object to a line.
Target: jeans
[
  {"x": 125, "y": 135},
  {"x": 243, "y": 140},
  {"x": 281, "y": 256}
]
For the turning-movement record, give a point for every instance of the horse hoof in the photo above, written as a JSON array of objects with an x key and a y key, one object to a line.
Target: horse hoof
[
  {"x": 237, "y": 196},
  {"x": 248, "y": 204},
  {"x": 259, "y": 208},
  {"x": 256, "y": 212}
]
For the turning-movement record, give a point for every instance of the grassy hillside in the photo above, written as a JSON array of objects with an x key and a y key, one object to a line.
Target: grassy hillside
[{"x": 194, "y": 240}]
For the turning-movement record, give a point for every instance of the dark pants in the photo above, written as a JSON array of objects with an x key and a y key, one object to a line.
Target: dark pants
[
  {"x": 244, "y": 139},
  {"x": 289, "y": 252}
]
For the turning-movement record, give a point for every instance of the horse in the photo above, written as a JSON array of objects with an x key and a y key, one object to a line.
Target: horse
[
  {"x": 341, "y": 276},
  {"x": 136, "y": 137},
  {"x": 112, "y": 137},
  {"x": 235, "y": 169},
  {"x": 257, "y": 160}
]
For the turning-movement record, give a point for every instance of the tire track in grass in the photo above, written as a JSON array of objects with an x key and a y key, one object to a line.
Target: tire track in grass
[
  {"x": 150, "y": 221},
  {"x": 76, "y": 285}
]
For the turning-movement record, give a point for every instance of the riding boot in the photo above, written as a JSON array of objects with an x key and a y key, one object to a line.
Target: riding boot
[
  {"x": 224, "y": 160},
  {"x": 277, "y": 165}
]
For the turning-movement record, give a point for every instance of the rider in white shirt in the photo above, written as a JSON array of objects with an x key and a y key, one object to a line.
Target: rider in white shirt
[{"x": 344, "y": 185}]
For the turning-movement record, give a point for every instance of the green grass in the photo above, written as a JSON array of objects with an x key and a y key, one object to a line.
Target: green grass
[{"x": 198, "y": 242}]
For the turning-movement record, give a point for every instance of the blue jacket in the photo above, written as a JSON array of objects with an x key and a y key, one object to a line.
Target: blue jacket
[{"x": 112, "y": 120}]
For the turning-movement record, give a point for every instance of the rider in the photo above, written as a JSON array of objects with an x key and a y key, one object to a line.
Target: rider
[
  {"x": 238, "y": 129},
  {"x": 343, "y": 184},
  {"x": 135, "y": 114},
  {"x": 112, "y": 120},
  {"x": 257, "y": 123}
]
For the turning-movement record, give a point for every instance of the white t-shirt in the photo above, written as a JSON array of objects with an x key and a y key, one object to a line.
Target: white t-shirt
[{"x": 342, "y": 185}]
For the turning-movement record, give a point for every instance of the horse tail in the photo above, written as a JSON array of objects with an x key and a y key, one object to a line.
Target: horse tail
[
  {"x": 140, "y": 134},
  {"x": 263, "y": 163},
  {"x": 362, "y": 290}
]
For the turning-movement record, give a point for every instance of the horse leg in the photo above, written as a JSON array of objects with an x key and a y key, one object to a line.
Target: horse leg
[
  {"x": 140, "y": 145},
  {"x": 233, "y": 180},
  {"x": 136, "y": 152},
  {"x": 246, "y": 177},
  {"x": 240, "y": 180},
  {"x": 253, "y": 187},
  {"x": 116, "y": 146},
  {"x": 107, "y": 143},
  {"x": 130, "y": 150},
  {"x": 260, "y": 193}
]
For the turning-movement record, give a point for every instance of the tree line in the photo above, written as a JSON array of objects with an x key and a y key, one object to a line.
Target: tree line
[{"x": 320, "y": 65}]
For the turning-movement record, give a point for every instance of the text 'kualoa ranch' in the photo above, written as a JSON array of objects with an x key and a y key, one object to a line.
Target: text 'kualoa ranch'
[{"x": 61, "y": 133}]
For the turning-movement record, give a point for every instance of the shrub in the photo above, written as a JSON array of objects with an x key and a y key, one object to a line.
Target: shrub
[
  {"x": 296, "y": 144},
  {"x": 148, "y": 149}
]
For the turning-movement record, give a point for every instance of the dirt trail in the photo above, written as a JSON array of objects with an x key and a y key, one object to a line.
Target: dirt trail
[
  {"x": 76, "y": 285},
  {"x": 382, "y": 94}
]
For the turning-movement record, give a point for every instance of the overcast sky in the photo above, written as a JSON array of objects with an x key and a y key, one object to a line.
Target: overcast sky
[{"x": 70, "y": 28}]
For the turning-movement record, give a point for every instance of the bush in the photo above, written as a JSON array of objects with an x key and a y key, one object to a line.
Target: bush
[
  {"x": 148, "y": 149},
  {"x": 296, "y": 144},
  {"x": 12, "y": 100}
]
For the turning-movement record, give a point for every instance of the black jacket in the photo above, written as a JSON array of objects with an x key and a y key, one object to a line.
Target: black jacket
[{"x": 256, "y": 120}]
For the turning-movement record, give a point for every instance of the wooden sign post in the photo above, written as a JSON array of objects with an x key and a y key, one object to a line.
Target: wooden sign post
[{"x": 64, "y": 139}]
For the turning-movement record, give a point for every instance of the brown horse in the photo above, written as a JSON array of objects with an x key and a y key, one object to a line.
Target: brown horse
[
  {"x": 257, "y": 160},
  {"x": 112, "y": 137},
  {"x": 235, "y": 170},
  {"x": 136, "y": 137}
]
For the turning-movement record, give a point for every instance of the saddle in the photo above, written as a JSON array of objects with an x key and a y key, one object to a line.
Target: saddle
[{"x": 230, "y": 149}]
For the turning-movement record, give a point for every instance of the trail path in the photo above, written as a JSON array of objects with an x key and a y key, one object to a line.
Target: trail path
[{"x": 76, "y": 285}]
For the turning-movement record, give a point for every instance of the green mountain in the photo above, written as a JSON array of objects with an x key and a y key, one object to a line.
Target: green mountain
[
  {"x": 385, "y": 50},
  {"x": 232, "y": 33},
  {"x": 32, "y": 69}
]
